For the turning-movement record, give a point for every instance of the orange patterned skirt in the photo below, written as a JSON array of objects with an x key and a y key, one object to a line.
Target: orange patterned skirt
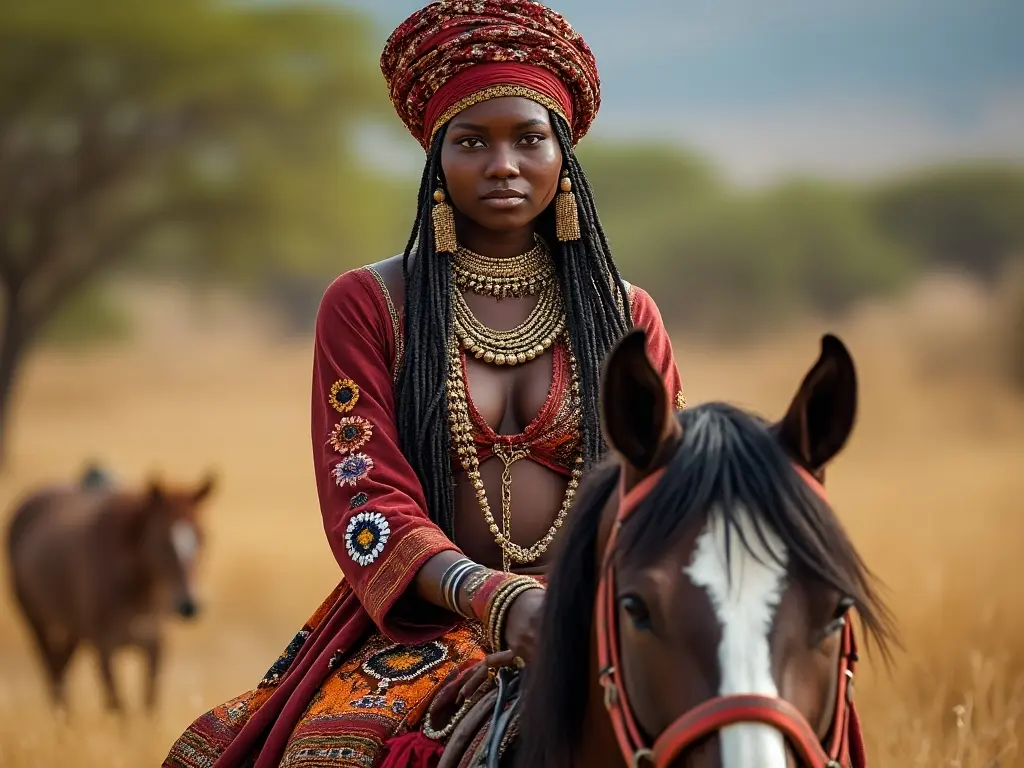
[{"x": 380, "y": 690}]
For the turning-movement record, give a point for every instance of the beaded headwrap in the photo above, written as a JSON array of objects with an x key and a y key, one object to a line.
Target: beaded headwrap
[{"x": 453, "y": 54}]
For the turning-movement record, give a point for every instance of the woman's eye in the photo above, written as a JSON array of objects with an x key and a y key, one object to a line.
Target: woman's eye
[
  {"x": 636, "y": 610},
  {"x": 532, "y": 139},
  {"x": 470, "y": 143}
]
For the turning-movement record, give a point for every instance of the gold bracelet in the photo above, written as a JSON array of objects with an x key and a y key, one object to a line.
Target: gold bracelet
[
  {"x": 498, "y": 599},
  {"x": 501, "y": 605},
  {"x": 445, "y": 732},
  {"x": 499, "y": 626}
]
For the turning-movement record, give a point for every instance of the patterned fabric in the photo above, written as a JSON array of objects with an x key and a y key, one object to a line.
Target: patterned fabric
[
  {"x": 428, "y": 60},
  {"x": 369, "y": 696}
]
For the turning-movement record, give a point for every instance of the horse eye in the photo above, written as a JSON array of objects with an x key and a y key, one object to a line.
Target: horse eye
[
  {"x": 637, "y": 611},
  {"x": 839, "y": 617}
]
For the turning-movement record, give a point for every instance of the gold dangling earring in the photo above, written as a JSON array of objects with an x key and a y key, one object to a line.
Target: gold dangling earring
[
  {"x": 444, "y": 223},
  {"x": 567, "y": 215}
]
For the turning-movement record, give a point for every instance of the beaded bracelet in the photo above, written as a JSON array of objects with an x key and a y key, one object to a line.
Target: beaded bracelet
[{"x": 497, "y": 609}]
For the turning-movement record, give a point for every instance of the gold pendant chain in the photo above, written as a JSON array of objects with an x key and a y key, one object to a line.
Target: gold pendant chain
[{"x": 463, "y": 443}]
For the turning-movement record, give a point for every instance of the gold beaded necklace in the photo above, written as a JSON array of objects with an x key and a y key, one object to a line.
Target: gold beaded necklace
[
  {"x": 518, "y": 345},
  {"x": 462, "y": 440},
  {"x": 521, "y": 275},
  {"x": 527, "y": 274}
]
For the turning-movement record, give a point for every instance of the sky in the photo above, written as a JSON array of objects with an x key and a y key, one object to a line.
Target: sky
[{"x": 769, "y": 88}]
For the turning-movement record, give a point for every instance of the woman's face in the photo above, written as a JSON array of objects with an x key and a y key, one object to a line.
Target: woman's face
[{"x": 501, "y": 162}]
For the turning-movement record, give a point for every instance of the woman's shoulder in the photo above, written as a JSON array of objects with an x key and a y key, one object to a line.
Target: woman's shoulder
[
  {"x": 381, "y": 282},
  {"x": 642, "y": 306}
]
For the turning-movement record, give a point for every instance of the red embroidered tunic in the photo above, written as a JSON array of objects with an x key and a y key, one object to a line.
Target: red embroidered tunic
[{"x": 372, "y": 504}]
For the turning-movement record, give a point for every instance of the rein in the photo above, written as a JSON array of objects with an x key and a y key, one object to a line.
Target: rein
[{"x": 717, "y": 713}]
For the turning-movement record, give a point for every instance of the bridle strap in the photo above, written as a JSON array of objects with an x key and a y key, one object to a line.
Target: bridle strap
[
  {"x": 627, "y": 733},
  {"x": 720, "y": 712}
]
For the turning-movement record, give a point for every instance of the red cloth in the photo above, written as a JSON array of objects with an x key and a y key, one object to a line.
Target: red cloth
[
  {"x": 354, "y": 343},
  {"x": 483, "y": 76},
  {"x": 439, "y": 43},
  {"x": 412, "y": 750},
  {"x": 646, "y": 315},
  {"x": 354, "y": 340}
]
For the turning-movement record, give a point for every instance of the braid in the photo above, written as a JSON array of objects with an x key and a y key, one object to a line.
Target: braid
[
  {"x": 594, "y": 292},
  {"x": 597, "y": 315},
  {"x": 421, "y": 399}
]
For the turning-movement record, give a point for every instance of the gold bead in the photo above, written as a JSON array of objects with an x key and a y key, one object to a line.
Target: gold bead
[
  {"x": 565, "y": 185},
  {"x": 499, "y": 359},
  {"x": 489, "y": 357},
  {"x": 439, "y": 196}
]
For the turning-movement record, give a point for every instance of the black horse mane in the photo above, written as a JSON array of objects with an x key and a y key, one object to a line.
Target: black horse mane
[{"x": 729, "y": 459}]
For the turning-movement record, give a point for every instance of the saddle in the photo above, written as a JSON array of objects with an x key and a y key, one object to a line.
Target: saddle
[{"x": 485, "y": 734}]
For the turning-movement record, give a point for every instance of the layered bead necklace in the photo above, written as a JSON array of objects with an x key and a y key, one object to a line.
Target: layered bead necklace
[
  {"x": 532, "y": 273},
  {"x": 529, "y": 274}
]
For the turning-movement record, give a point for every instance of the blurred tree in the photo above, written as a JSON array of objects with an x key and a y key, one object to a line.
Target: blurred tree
[
  {"x": 215, "y": 126},
  {"x": 742, "y": 261},
  {"x": 969, "y": 217}
]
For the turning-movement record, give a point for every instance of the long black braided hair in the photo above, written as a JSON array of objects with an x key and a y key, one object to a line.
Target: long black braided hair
[{"x": 597, "y": 315}]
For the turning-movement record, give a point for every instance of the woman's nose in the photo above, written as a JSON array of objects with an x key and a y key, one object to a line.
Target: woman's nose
[{"x": 503, "y": 164}]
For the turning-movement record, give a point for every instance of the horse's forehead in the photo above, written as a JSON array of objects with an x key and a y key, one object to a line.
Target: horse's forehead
[
  {"x": 185, "y": 540},
  {"x": 744, "y": 573}
]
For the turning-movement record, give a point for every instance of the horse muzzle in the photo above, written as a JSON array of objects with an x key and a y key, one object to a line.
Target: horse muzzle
[{"x": 186, "y": 607}]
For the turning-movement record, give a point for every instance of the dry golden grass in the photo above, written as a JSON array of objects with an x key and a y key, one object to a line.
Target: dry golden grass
[{"x": 931, "y": 488}]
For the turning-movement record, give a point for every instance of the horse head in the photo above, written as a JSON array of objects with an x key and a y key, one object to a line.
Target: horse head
[
  {"x": 164, "y": 526},
  {"x": 712, "y": 582}
]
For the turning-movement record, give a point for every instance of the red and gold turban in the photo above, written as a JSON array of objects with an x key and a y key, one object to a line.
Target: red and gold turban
[{"x": 456, "y": 53}]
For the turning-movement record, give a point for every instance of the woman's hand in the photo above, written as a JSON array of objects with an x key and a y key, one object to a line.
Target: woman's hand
[{"x": 522, "y": 624}]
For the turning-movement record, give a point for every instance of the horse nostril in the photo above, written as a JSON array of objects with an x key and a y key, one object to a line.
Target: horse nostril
[{"x": 187, "y": 608}]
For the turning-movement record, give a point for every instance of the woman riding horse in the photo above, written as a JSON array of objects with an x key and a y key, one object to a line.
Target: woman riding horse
[{"x": 454, "y": 405}]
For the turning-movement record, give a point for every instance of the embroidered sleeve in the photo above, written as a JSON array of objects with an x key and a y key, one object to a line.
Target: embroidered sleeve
[
  {"x": 646, "y": 315},
  {"x": 372, "y": 504}
]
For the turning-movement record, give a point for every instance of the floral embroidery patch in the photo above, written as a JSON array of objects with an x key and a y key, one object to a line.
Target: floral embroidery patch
[
  {"x": 350, "y": 434},
  {"x": 352, "y": 469},
  {"x": 366, "y": 535},
  {"x": 344, "y": 395},
  {"x": 284, "y": 661},
  {"x": 680, "y": 401},
  {"x": 358, "y": 500},
  {"x": 402, "y": 663}
]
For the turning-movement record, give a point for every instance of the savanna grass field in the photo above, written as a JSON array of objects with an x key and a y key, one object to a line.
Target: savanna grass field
[{"x": 930, "y": 487}]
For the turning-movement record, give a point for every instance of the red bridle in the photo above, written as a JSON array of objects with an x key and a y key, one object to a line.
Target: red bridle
[{"x": 717, "y": 713}]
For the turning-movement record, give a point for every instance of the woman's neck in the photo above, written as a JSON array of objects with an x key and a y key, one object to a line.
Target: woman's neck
[{"x": 495, "y": 245}]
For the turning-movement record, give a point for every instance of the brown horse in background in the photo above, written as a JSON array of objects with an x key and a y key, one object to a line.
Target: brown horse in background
[{"x": 98, "y": 564}]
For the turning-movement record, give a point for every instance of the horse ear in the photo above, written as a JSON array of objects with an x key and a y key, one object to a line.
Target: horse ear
[
  {"x": 205, "y": 488},
  {"x": 155, "y": 491},
  {"x": 822, "y": 414},
  {"x": 636, "y": 410}
]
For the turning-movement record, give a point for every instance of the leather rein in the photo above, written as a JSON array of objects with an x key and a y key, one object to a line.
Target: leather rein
[{"x": 717, "y": 713}]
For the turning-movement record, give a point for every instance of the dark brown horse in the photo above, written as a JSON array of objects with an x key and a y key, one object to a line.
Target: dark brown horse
[
  {"x": 699, "y": 609},
  {"x": 100, "y": 565}
]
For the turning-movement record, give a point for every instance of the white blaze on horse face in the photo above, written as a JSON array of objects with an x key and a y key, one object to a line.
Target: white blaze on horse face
[
  {"x": 745, "y": 594},
  {"x": 185, "y": 541}
]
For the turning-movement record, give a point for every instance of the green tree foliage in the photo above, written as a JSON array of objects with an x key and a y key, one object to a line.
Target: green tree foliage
[
  {"x": 209, "y": 135},
  {"x": 971, "y": 218}
]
